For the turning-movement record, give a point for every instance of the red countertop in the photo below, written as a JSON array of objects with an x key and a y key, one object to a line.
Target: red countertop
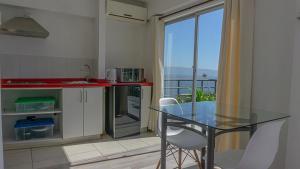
[{"x": 61, "y": 83}]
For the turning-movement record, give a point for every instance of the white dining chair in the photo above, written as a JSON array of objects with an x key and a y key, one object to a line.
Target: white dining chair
[
  {"x": 182, "y": 140},
  {"x": 260, "y": 151}
]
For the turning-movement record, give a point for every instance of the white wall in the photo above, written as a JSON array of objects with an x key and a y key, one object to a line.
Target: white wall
[
  {"x": 74, "y": 40},
  {"x": 75, "y": 7},
  {"x": 120, "y": 43},
  {"x": 101, "y": 39},
  {"x": 293, "y": 148},
  {"x": 70, "y": 36},
  {"x": 125, "y": 44},
  {"x": 272, "y": 54},
  {"x": 272, "y": 60},
  {"x": 71, "y": 44}
]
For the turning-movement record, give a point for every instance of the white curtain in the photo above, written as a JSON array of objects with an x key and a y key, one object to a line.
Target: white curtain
[
  {"x": 235, "y": 67},
  {"x": 157, "y": 47}
]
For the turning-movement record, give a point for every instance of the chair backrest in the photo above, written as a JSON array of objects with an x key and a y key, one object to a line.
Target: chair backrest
[
  {"x": 262, "y": 147},
  {"x": 165, "y": 102}
]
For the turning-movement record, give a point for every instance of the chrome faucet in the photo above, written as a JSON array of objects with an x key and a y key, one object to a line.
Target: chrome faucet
[{"x": 87, "y": 68}]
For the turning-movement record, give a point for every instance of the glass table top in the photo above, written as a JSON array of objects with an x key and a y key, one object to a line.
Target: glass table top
[{"x": 205, "y": 113}]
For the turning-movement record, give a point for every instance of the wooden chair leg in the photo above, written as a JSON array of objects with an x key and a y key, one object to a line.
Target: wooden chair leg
[
  {"x": 203, "y": 152},
  {"x": 197, "y": 159},
  {"x": 158, "y": 165},
  {"x": 180, "y": 158}
]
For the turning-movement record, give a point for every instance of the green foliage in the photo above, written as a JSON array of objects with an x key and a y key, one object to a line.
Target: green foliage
[{"x": 200, "y": 96}]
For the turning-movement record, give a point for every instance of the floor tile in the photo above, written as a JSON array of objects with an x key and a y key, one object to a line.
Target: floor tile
[
  {"x": 50, "y": 163},
  {"x": 151, "y": 140},
  {"x": 77, "y": 149},
  {"x": 20, "y": 166},
  {"x": 109, "y": 148},
  {"x": 132, "y": 144},
  {"x": 17, "y": 158},
  {"x": 47, "y": 157},
  {"x": 40, "y": 154},
  {"x": 61, "y": 157},
  {"x": 84, "y": 157}
]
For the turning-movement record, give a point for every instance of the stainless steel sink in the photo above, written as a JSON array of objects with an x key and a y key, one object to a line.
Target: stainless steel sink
[{"x": 80, "y": 82}]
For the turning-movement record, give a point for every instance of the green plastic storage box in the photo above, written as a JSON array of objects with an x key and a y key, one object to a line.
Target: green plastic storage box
[{"x": 33, "y": 104}]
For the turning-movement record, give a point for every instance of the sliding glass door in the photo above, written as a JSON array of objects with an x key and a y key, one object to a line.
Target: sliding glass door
[
  {"x": 192, "y": 49},
  {"x": 179, "y": 58},
  {"x": 209, "y": 42}
]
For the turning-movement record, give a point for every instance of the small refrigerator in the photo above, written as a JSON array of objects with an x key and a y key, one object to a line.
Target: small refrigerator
[{"x": 123, "y": 111}]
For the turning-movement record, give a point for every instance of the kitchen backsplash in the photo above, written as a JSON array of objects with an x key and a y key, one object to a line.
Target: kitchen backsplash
[{"x": 26, "y": 66}]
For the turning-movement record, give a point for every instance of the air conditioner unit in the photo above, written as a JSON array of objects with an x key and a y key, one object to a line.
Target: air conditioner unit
[{"x": 127, "y": 10}]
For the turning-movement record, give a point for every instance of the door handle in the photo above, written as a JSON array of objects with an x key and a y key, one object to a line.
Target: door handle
[
  {"x": 81, "y": 96},
  {"x": 86, "y": 96}
]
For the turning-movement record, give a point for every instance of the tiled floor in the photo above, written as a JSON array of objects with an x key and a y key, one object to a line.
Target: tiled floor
[
  {"x": 145, "y": 161},
  {"x": 68, "y": 155}
]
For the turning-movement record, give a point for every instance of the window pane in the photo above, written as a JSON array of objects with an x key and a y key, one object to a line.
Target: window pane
[
  {"x": 178, "y": 58},
  {"x": 209, "y": 42}
]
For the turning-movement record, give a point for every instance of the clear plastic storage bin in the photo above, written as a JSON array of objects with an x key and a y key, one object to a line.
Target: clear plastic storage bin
[
  {"x": 31, "y": 104},
  {"x": 34, "y": 128}
]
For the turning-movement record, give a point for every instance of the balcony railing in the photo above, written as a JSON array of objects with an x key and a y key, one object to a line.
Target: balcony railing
[{"x": 174, "y": 88}]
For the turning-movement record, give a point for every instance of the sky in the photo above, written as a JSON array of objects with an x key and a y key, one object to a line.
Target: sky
[{"x": 179, "y": 41}]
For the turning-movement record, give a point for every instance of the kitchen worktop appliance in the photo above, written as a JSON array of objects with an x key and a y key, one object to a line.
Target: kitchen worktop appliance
[{"x": 124, "y": 75}]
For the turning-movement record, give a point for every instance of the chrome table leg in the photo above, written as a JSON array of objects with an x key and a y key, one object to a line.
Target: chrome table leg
[
  {"x": 210, "y": 148},
  {"x": 163, "y": 141}
]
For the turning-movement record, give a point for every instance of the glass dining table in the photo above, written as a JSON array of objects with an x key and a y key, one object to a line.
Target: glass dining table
[{"x": 213, "y": 122}]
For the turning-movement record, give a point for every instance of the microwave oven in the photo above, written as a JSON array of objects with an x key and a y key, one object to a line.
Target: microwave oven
[{"x": 125, "y": 75}]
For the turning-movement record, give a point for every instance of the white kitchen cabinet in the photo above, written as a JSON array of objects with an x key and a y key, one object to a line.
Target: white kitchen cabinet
[
  {"x": 145, "y": 103},
  {"x": 93, "y": 108},
  {"x": 72, "y": 112},
  {"x": 82, "y": 112}
]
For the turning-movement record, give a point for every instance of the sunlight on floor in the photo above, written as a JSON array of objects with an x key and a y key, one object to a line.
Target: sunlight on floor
[{"x": 75, "y": 154}]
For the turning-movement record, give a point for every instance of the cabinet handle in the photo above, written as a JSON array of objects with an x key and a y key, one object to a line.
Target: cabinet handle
[
  {"x": 81, "y": 95},
  {"x": 86, "y": 97}
]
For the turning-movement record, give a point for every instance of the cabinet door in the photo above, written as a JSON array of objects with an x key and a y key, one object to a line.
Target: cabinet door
[
  {"x": 93, "y": 111},
  {"x": 72, "y": 112},
  {"x": 145, "y": 103}
]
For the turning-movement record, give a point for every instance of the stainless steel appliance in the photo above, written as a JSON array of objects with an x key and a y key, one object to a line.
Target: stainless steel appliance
[
  {"x": 125, "y": 75},
  {"x": 123, "y": 114}
]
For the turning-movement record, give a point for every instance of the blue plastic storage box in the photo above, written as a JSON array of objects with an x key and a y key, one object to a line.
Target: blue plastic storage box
[{"x": 34, "y": 128}]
